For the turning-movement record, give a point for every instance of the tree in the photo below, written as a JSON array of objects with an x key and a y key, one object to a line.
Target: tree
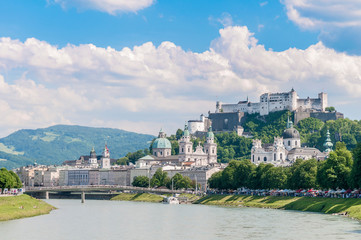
[
  {"x": 356, "y": 168},
  {"x": 179, "y": 134},
  {"x": 179, "y": 182},
  {"x": 244, "y": 172},
  {"x": 228, "y": 175},
  {"x": 141, "y": 181},
  {"x": 304, "y": 174},
  {"x": 330, "y": 109},
  {"x": 335, "y": 171},
  {"x": 159, "y": 179},
  {"x": 9, "y": 179},
  {"x": 215, "y": 181}
]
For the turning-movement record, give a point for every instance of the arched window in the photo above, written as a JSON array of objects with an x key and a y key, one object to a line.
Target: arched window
[
  {"x": 182, "y": 149},
  {"x": 253, "y": 158},
  {"x": 274, "y": 157},
  {"x": 296, "y": 143},
  {"x": 265, "y": 159},
  {"x": 289, "y": 143},
  {"x": 213, "y": 150},
  {"x": 189, "y": 149},
  {"x": 161, "y": 153},
  {"x": 258, "y": 159},
  {"x": 281, "y": 156}
]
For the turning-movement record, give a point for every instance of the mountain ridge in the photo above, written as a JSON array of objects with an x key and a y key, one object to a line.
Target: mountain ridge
[{"x": 58, "y": 143}]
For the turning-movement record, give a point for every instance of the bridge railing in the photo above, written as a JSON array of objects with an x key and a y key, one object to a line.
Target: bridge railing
[{"x": 110, "y": 187}]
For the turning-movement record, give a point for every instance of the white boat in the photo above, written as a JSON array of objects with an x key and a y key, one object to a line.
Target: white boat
[{"x": 171, "y": 200}]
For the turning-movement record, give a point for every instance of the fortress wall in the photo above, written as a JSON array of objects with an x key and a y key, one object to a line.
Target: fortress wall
[
  {"x": 226, "y": 121},
  {"x": 325, "y": 116}
]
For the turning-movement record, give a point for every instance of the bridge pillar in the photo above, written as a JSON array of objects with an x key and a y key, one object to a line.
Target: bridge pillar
[
  {"x": 46, "y": 195},
  {"x": 82, "y": 197}
]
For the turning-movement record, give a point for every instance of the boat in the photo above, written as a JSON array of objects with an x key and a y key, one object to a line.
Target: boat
[{"x": 171, "y": 200}]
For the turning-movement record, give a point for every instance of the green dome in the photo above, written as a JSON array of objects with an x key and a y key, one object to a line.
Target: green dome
[
  {"x": 161, "y": 143},
  {"x": 210, "y": 134},
  {"x": 186, "y": 131}
]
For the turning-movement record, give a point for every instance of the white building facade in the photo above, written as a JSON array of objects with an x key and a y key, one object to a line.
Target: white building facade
[{"x": 273, "y": 102}]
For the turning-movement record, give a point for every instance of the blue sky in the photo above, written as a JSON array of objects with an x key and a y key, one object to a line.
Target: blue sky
[
  {"x": 187, "y": 23},
  {"x": 141, "y": 65}
]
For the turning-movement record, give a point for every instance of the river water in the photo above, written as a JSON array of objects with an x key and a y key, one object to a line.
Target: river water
[{"x": 96, "y": 219}]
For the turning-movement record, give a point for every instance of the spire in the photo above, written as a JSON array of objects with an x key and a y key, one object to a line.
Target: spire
[
  {"x": 186, "y": 132},
  {"x": 210, "y": 133},
  {"x": 328, "y": 144},
  {"x": 289, "y": 122}
]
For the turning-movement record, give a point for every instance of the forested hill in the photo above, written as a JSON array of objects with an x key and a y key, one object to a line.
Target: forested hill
[
  {"x": 55, "y": 144},
  {"x": 312, "y": 130}
]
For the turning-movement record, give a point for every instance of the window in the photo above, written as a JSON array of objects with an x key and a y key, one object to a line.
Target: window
[
  {"x": 182, "y": 149},
  {"x": 289, "y": 143},
  {"x": 258, "y": 158},
  {"x": 281, "y": 156},
  {"x": 253, "y": 158},
  {"x": 161, "y": 153},
  {"x": 274, "y": 157},
  {"x": 265, "y": 159},
  {"x": 189, "y": 149},
  {"x": 296, "y": 143}
]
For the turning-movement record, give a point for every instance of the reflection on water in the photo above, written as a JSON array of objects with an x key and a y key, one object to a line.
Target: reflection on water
[{"x": 131, "y": 220}]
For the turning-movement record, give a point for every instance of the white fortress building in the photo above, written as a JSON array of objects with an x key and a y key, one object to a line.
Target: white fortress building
[{"x": 273, "y": 102}]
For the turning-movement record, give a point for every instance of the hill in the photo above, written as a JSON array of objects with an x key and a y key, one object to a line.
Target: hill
[{"x": 58, "y": 143}]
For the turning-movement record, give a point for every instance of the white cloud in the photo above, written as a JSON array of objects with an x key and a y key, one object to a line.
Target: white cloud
[
  {"x": 137, "y": 88},
  {"x": 110, "y": 6},
  {"x": 262, "y": 4},
  {"x": 320, "y": 14}
]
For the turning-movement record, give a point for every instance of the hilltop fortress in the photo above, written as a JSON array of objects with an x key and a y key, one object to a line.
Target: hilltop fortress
[
  {"x": 273, "y": 102},
  {"x": 229, "y": 117}
]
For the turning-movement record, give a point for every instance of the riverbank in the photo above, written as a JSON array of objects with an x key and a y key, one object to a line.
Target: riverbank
[
  {"x": 15, "y": 207},
  {"x": 138, "y": 197},
  {"x": 350, "y": 207}
]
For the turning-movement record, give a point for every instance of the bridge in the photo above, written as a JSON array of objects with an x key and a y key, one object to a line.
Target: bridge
[{"x": 92, "y": 191}]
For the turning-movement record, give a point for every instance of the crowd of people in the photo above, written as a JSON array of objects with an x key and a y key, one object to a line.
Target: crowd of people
[{"x": 340, "y": 193}]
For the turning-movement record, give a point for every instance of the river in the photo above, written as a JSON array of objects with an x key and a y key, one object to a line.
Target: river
[{"x": 96, "y": 219}]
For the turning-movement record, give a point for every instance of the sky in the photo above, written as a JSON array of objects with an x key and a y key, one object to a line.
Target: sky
[{"x": 142, "y": 65}]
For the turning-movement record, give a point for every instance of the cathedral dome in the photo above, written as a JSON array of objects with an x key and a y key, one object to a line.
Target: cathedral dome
[
  {"x": 161, "y": 143},
  {"x": 290, "y": 133}
]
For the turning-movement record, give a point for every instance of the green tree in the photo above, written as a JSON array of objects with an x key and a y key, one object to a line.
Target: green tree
[
  {"x": 9, "y": 179},
  {"x": 215, "y": 181},
  {"x": 356, "y": 168},
  {"x": 335, "y": 171},
  {"x": 141, "y": 181},
  {"x": 228, "y": 175},
  {"x": 330, "y": 109},
  {"x": 179, "y": 182},
  {"x": 159, "y": 179},
  {"x": 244, "y": 172},
  {"x": 304, "y": 174}
]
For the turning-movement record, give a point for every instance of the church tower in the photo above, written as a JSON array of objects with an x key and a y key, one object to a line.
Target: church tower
[
  {"x": 185, "y": 146},
  {"x": 93, "y": 161},
  {"x": 291, "y": 137},
  {"x": 328, "y": 144},
  {"x": 210, "y": 147},
  {"x": 105, "y": 161}
]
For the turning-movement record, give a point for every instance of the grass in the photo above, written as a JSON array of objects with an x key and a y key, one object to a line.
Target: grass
[
  {"x": 22, "y": 206},
  {"x": 350, "y": 207},
  {"x": 138, "y": 197},
  {"x": 191, "y": 197}
]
